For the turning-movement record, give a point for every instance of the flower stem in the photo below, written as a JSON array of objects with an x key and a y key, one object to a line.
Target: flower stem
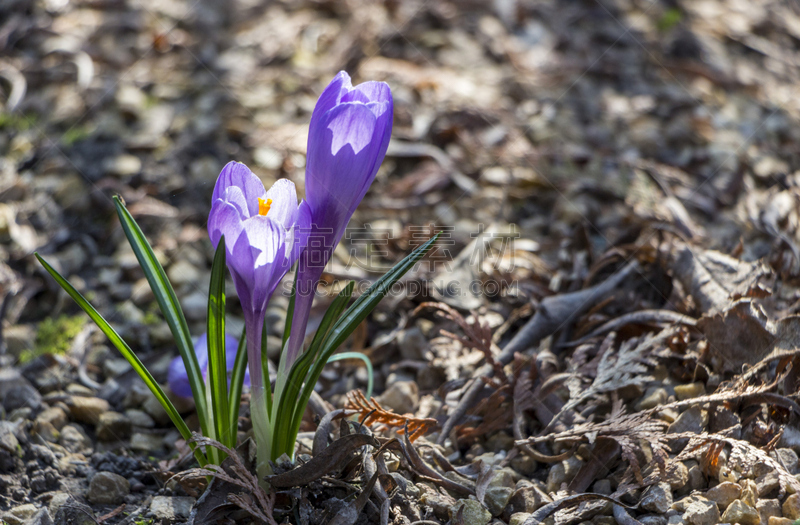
[
  {"x": 304, "y": 296},
  {"x": 258, "y": 399}
]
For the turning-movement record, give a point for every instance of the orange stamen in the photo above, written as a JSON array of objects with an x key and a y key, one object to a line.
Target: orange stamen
[{"x": 264, "y": 206}]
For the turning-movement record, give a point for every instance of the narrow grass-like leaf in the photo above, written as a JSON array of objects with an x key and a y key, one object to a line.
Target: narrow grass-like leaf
[
  {"x": 364, "y": 358},
  {"x": 129, "y": 355},
  {"x": 289, "y": 390},
  {"x": 354, "y": 315},
  {"x": 237, "y": 380},
  {"x": 170, "y": 308},
  {"x": 217, "y": 358}
]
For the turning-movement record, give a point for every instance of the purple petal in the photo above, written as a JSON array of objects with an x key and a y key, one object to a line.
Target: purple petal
[
  {"x": 351, "y": 124},
  {"x": 375, "y": 91},
  {"x": 297, "y": 239},
  {"x": 331, "y": 96},
  {"x": 238, "y": 175},
  {"x": 284, "y": 203},
  {"x": 242, "y": 266},
  {"x": 178, "y": 379},
  {"x": 224, "y": 219}
]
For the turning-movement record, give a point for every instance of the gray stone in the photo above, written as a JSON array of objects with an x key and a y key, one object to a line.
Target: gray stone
[
  {"x": 700, "y": 511},
  {"x": 791, "y": 507},
  {"x": 518, "y": 518},
  {"x": 153, "y": 407},
  {"x": 497, "y": 498},
  {"x": 8, "y": 437},
  {"x": 691, "y": 420},
  {"x": 146, "y": 442},
  {"x": 524, "y": 464},
  {"x": 767, "y": 482},
  {"x": 739, "y": 512},
  {"x": 58, "y": 500},
  {"x": 74, "y": 439},
  {"x": 787, "y": 457},
  {"x": 123, "y": 165},
  {"x": 528, "y": 498},
  {"x": 140, "y": 418},
  {"x": 19, "y": 515},
  {"x": 113, "y": 426},
  {"x": 768, "y": 508},
  {"x": 677, "y": 475},
  {"x": 182, "y": 272},
  {"x": 107, "y": 488},
  {"x": 42, "y": 517},
  {"x": 171, "y": 509},
  {"x": 602, "y": 486},
  {"x": 652, "y": 398},
  {"x": 115, "y": 367},
  {"x": 18, "y": 338},
  {"x": 555, "y": 477},
  {"x": 87, "y": 409},
  {"x": 24, "y": 395},
  {"x": 471, "y": 512},
  {"x": 402, "y": 397},
  {"x": 652, "y": 519},
  {"x": 724, "y": 493},
  {"x": 658, "y": 498},
  {"x": 53, "y": 415},
  {"x": 72, "y": 512},
  {"x": 412, "y": 344}
]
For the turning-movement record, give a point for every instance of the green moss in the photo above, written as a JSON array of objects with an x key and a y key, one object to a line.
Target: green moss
[
  {"x": 669, "y": 19},
  {"x": 55, "y": 336},
  {"x": 152, "y": 316},
  {"x": 75, "y": 134},
  {"x": 16, "y": 122}
]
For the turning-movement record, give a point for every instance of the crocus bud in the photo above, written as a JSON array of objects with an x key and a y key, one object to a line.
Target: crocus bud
[
  {"x": 347, "y": 140},
  {"x": 176, "y": 375}
]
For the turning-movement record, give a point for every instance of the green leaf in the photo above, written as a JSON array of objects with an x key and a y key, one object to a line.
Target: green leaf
[
  {"x": 367, "y": 363},
  {"x": 287, "y": 391},
  {"x": 217, "y": 358},
  {"x": 362, "y": 307},
  {"x": 237, "y": 380},
  {"x": 129, "y": 355},
  {"x": 170, "y": 308},
  {"x": 354, "y": 315}
]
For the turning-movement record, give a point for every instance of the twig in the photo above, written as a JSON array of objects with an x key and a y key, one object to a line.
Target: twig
[{"x": 553, "y": 313}]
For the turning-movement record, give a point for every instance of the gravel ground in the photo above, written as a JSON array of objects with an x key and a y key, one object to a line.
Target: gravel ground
[{"x": 610, "y": 311}]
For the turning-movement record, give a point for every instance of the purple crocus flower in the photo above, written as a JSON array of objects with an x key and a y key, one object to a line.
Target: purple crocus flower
[
  {"x": 265, "y": 232},
  {"x": 177, "y": 378},
  {"x": 347, "y": 140}
]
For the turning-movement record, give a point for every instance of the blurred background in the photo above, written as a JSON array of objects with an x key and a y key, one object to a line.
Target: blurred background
[{"x": 582, "y": 131}]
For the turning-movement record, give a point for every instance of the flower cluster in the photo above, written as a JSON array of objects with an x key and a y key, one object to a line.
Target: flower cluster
[{"x": 260, "y": 235}]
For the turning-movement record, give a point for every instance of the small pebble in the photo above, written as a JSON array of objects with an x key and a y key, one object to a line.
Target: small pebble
[
  {"x": 107, "y": 488},
  {"x": 700, "y": 511},
  {"x": 739, "y": 512},
  {"x": 658, "y": 498},
  {"x": 791, "y": 507},
  {"x": 724, "y": 493},
  {"x": 690, "y": 390}
]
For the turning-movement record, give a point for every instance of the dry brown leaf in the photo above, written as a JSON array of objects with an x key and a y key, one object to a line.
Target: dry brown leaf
[{"x": 715, "y": 279}]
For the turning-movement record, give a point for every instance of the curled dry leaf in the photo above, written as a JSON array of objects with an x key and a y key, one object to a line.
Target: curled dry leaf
[{"x": 329, "y": 460}]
